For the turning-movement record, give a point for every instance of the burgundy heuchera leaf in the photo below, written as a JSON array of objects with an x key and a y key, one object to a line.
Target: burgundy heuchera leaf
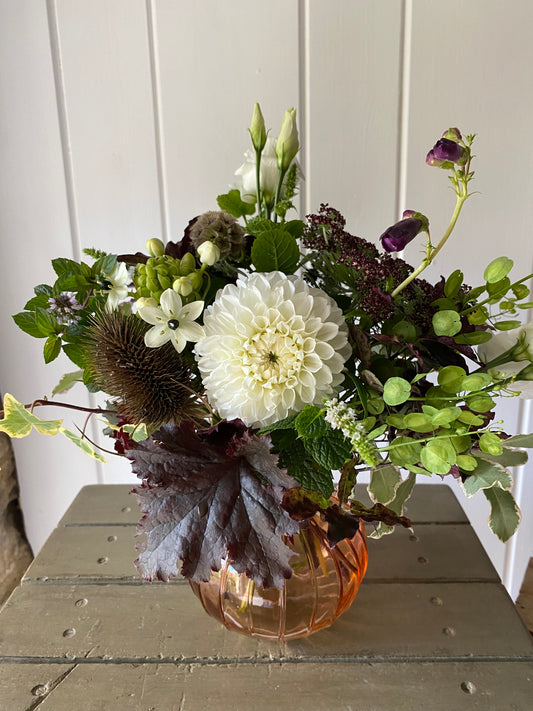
[{"x": 202, "y": 500}]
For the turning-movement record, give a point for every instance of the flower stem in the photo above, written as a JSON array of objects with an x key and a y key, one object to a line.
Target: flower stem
[
  {"x": 281, "y": 175},
  {"x": 258, "y": 180}
]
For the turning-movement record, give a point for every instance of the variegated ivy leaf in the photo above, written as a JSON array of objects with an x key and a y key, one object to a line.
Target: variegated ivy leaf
[
  {"x": 486, "y": 475},
  {"x": 68, "y": 381},
  {"x": 18, "y": 421},
  {"x": 504, "y": 512},
  {"x": 85, "y": 446},
  {"x": 403, "y": 492},
  {"x": 384, "y": 481}
]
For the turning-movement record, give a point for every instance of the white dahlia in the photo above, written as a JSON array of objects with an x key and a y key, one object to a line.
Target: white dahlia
[{"x": 273, "y": 344}]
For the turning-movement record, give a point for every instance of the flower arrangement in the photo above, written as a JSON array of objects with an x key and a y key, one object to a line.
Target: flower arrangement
[{"x": 248, "y": 361}]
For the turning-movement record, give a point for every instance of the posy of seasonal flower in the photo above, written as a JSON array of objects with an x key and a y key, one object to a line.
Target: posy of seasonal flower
[{"x": 254, "y": 368}]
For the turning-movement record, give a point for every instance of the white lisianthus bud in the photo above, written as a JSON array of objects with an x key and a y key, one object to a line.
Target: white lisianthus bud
[
  {"x": 155, "y": 247},
  {"x": 506, "y": 353},
  {"x": 183, "y": 286},
  {"x": 269, "y": 174},
  {"x": 208, "y": 252},
  {"x": 287, "y": 144},
  {"x": 257, "y": 129}
]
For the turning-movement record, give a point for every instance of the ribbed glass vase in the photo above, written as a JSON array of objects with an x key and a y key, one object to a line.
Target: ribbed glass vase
[{"x": 323, "y": 585}]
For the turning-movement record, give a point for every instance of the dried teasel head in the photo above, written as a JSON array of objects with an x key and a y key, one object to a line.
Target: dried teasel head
[{"x": 150, "y": 385}]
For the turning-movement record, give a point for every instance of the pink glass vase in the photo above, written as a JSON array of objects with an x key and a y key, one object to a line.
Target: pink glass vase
[{"x": 323, "y": 585}]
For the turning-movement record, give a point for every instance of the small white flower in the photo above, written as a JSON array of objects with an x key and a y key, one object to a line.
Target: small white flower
[
  {"x": 172, "y": 322},
  {"x": 208, "y": 252},
  {"x": 115, "y": 285},
  {"x": 273, "y": 345}
]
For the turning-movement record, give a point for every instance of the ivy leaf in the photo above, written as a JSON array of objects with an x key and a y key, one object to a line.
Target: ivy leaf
[
  {"x": 504, "y": 512},
  {"x": 275, "y": 250},
  {"x": 232, "y": 202},
  {"x": 18, "y": 421},
  {"x": 200, "y": 503},
  {"x": 521, "y": 440},
  {"x": 82, "y": 443},
  {"x": 384, "y": 481},
  {"x": 486, "y": 475}
]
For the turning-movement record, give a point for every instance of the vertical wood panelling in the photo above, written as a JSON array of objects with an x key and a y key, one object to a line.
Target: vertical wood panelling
[
  {"x": 217, "y": 59},
  {"x": 353, "y": 82},
  {"x": 476, "y": 74},
  {"x": 34, "y": 228}
]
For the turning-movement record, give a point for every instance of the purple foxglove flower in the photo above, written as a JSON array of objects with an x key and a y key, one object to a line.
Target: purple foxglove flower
[
  {"x": 398, "y": 236},
  {"x": 453, "y": 134},
  {"x": 447, "y": 152}
]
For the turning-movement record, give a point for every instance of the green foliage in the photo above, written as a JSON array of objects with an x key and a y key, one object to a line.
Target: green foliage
[
  {"x": 231, "y": 202},
  {"x": 275, "y": 250},
  {"x": 504, "y": 513},
  {"x": 396, "y": 391},
  {"x": 18, "y": 422},
  {"x": 384, "y": 482}
]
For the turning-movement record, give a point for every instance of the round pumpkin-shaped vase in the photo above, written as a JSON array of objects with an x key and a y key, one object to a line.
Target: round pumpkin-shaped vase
[{"x": 324, "y": 583}]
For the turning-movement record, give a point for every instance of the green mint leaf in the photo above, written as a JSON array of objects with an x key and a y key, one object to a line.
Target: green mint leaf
[
  {"x": 52, "y": 348},
  {"x": 76, "y": 353},
  {"x": 310, "y": 422},
  {"x": 275, "y": 250},
  {"x": 27, "y": 322},
  {"x": 330, "y": 451},
  {"x": 65, "y": 267},
  {"x": 46, "y": 322}
]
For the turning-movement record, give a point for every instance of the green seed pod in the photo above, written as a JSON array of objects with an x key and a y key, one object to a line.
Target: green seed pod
[{"x": 188, "y": 264}]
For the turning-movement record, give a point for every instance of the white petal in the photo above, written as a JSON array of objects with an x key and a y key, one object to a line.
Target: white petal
[
  {"x": 156, "y": 336},
  {"x": 171, "y": 303},
  {"x": 192, "y": 311}
]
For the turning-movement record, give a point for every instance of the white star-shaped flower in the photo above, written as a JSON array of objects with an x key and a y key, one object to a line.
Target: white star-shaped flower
[
  {"x": 115, "y": 285},
  {"x": 172, "y": 322}
]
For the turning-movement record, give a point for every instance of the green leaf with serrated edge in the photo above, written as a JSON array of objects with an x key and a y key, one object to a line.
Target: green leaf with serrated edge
[
  {"x": 68, "y": 381},
  {"x": 486, "y": 475},
  {"x": 497, "y": 269},
  {"x": 18, "y": 421},
  {"x": 85, "y": 446},
  {"x": 46, "y": 290},
  {"x": 300, "y": 466},
  {"x": 52, "y": 348},
  {"x": 295, "y": 227},
  {"x": 104, "y": 264},
  {"x": 288, "y": 423},
  {"x": 256, "y": 225},
  {"x": 330, "y": 451},
  {"x": 64, "y": 267},
  {"x": 504, "y": 512},
  {"x": 520, "y": 440},
  {"x": 473, "y": 339},
  {"x": 76, "y": 353},
  {"x": 46, "y": 322},
  {"x": 40, "y": 301},
  {"x": 508, "y": 457},
  {"x": 396, "y": 391},
  {"x": 275, "y": 250},
  {"x": 27, "y": 322},
  {"x": 310, "y": 422},
  {"x": 231, "y": 202},
  {"x": 384, "y": 481},
  {"x": 404, "y": 450},
  {"x": 453, "y": 283},
  {"x": 438, "y": 456}
]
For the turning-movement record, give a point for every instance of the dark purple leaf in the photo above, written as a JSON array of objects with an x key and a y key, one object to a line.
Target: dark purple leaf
[{"x": 202, "y": 502}]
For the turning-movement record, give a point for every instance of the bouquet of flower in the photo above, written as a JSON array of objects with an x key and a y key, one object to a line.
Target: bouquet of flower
[{"x": 248, "y": 361}]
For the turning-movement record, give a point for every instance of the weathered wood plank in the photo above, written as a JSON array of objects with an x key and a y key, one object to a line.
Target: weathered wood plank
[
  {"x": 305, "y": 687},
  {"x": 106, "y": 553},
  {"x": 114, "y": 504},
  {"x": 387, "y": 621},
  {"x": 23, "y": 685}
]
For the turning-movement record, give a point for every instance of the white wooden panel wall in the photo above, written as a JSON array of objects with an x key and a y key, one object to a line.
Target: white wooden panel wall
[{"x": 122, "y": 119}]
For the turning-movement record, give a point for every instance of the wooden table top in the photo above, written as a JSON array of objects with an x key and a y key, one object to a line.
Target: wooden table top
[{"x": 431, "y": 629}]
